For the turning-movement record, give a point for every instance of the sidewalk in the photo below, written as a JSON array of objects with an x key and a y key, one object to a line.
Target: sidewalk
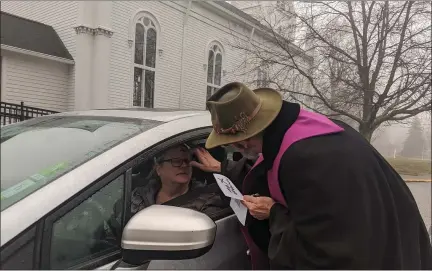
[{"x": 424, "y": 178}]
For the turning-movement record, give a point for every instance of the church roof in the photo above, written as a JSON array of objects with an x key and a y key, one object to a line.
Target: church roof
[
  {"x": 30, "y": 35},
  {"x": 239, "y": 12},
  {"x": 255, "y": 22}
]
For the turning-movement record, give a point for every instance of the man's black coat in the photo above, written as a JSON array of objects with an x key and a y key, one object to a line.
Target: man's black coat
[{"x": 347, "y": 207}]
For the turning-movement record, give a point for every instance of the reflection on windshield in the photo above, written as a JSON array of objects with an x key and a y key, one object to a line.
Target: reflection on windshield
[{"x": 38, "y": 151}]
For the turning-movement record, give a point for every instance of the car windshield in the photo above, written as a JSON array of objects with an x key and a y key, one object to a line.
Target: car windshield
[{"x": 40, "y": 150}]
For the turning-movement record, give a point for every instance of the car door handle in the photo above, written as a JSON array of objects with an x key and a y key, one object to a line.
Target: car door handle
[{"x": 248, "y": 252}]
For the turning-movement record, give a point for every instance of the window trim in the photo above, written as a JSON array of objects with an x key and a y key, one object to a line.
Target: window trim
[
  {"x": 263, "y": 76},
  {"x": 127, "y": 197},
  {"x": 16, "y": 244},
  {"x": 207, "y": 52},
  {"x": 1, "y": 78},
  {"x": 126, "y": 168},
  {"x": 132, "y": 32},
  {"x": 33, "y": 232}
]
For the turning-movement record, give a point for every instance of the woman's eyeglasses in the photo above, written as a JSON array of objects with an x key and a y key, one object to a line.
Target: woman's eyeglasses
[{"x": 177, "y": 162}]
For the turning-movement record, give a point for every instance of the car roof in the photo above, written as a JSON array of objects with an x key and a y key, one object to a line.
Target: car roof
[{"x": 158, "y": 114}]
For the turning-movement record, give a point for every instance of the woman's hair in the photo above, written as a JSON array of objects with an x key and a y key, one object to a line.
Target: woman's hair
[{"x": 158, "y": 158}]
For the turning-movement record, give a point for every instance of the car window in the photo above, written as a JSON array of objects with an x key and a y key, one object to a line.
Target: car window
[
  {"x": 203, "y": 195},
  {"x": 38, "y": 151},
  {"x": 146, "y": 183},
  {"x": 90, "y": 230}
]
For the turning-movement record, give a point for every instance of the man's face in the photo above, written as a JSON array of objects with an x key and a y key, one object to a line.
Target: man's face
[{"x": 250, "y": 148}]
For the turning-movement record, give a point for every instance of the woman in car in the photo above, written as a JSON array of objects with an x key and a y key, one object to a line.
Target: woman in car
[
  {"x": 171, "y": 178},
  {"x": 170, "y": 182}
]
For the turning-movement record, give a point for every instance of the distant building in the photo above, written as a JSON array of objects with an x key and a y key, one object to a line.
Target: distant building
[{"x": 79, "y": 55}]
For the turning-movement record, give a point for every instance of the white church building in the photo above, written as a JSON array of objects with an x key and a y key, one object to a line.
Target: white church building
[{"x": 79, "y": 55}]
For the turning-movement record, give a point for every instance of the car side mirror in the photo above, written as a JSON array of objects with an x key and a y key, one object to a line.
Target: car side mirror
[{"x": 162, "y": 232}]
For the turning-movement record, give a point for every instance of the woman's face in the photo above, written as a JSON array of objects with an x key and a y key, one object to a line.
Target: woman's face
[{"x": 174, "y": 166}]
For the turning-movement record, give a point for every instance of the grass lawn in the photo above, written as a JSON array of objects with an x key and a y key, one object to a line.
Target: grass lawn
[{"x": 412, "y": 167}]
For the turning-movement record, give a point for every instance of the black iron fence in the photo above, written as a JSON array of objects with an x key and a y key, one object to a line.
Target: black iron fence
[{"x": 11, "y": 113}]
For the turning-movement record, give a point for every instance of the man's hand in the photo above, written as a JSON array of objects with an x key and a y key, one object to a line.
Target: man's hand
[
  {"x": 259, "y": 207},
  {"x": 206, "y": 161}
]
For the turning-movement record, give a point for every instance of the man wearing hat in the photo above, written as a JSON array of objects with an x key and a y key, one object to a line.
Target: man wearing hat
[{"x": 327, "y": 198}]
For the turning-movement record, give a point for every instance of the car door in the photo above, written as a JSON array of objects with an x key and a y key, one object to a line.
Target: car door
[
  {"x": 85, "y": 232},
  {"x": 228, "y": 251},
  {"x": 75, "y": 235}
]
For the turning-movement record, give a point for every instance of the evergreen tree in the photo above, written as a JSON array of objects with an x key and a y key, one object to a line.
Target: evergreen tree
[
  {"x": 414, "y": 144},
  {"x": 383, "y": 144}
]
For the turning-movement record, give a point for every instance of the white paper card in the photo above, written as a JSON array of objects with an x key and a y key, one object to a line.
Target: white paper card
[
  {"x": 227, "y": 187},
  {"x": 239, "y": 209}
]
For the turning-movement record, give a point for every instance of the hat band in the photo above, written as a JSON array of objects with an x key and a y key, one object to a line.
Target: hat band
[{"x": 241, "y": 123}]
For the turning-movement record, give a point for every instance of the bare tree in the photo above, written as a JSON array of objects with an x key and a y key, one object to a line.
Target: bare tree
[{"x": 371, "y": 60}]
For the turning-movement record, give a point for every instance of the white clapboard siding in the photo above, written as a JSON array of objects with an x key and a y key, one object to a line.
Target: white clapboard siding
[
  {"x": 203, "y": 27},
  {"x": 167, "y": 79},
  {"x": 35, "y": 81},
  {"x": 181, "y": 48},
  {"x": 62, "y": 16}
]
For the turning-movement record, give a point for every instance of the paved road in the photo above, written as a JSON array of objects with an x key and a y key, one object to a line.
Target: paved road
[{"x": 422, "y": 194}]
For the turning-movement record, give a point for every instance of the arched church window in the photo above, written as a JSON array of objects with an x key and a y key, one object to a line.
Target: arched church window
[
  {"x": 214, "y": 68},
  {"x": 145, "y": 54}
]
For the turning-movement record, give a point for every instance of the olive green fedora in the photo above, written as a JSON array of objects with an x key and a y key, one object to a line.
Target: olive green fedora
[{"x": 239, "y": 113}]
